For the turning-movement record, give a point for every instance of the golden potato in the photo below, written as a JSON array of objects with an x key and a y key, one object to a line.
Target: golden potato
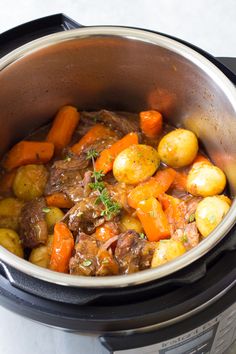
[
  {"x": 42, "y": 254},
  {"x": 135, "y": 164},
  {"x": 129, "y": 222},
  {"x": 30, "y": 181},
  {"x": 178, "y": 148},
  {"x": 10, "y": 209},
  {"x": 52, "y": 216},
  {"x": 209, "y": 213},
  {"x": 205, "y": 180},
  {"x": 166, "y": 251},
  {"x": 10, "y": 240}
]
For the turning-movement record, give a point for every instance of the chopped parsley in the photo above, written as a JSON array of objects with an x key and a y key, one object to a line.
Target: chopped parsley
[
  {"x": 87, "y": 263},
  {"x": 46, "y": 210},
  {"x": 191, "y": 218}
]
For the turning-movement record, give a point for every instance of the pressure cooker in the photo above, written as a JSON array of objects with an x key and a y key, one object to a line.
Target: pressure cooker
[{"x": 185, "y": 306}]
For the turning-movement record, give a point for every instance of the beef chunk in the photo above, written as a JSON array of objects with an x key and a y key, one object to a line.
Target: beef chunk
[
  {"x": 189, "y": 235},
  {"x": 33, "y": 227},
  {"x": 66, "y": 177},
  {"x": 85, "y": 216},
  {"x": 91, "y": 260},
  {"x": 122, "y": 122},
  {"x": 133, "y": 253},
  {"x": 84, "y": 262}
]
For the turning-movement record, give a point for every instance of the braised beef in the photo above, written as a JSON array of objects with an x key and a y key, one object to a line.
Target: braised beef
[
  {"x": 129, "y": 252},
  {"x": 85, "y": 215},
  {"x": 91, "y": 260},
  {"x": 65, "y": 176},
  {"x": 84, "y": 262},
  {"x": 122, "y": 122},
  {"x": 189, "y": 235},
  {"x": 33, "y": 227}
]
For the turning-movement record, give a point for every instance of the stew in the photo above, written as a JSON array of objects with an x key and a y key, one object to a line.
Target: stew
[{"x": 107, "y": 193}]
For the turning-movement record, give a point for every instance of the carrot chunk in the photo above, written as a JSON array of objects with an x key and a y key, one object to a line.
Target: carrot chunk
[
  {"x": 62, "y": 247},
  {"x": 154, "y": 186},
  {"x": 28, "y": 152},
  {"x": 105, "y": 161},
  {"x": 151, "y": 123},
  {"x": 59, "y": 200},
  {"x": 98, "y": 131},
  {"x": 153, "y": 219},
  {"x": 63, "y": 127}
]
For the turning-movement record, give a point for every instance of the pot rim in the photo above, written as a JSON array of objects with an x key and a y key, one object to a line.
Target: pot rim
[{"x": 189, "y": 257}]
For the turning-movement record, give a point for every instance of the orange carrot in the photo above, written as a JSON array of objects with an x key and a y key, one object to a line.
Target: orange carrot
[
  {"x": 59, "y": 200},
  {"x": 27, "y": 152},
  {"x": 154, "y": 186},
  {"x": 98, "y": 131},
  {"x": 201, "y": 158},
  {"x": 174, "y": 210},
  {"x": 153, "y": 219},
  {"x": 62, "y": 247},
  {"x": 105, "y": 232},
  {"x": 180, "y": 181},
  {"x": 105, "y": 161},
  {"x": 63, "y": 127},
  {"x": 151, "y": 123}
]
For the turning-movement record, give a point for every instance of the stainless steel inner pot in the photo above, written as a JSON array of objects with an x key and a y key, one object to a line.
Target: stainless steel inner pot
[{"x": 124, "y": 69}]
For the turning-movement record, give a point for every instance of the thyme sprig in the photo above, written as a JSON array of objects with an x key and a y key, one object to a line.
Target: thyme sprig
[{"x": 112, "y": 208}]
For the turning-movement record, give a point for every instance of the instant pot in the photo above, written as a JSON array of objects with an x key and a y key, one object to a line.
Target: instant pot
[{"x": 188, "y": 305}]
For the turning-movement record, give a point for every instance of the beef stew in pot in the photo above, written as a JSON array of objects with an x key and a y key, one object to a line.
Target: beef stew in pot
[{"x": 108, "y": 193}]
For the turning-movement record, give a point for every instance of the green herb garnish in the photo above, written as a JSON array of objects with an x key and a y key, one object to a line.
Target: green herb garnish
[
  {"x": 99, "y": 186},
  {"x": 87, "y": 263},
  {"x": 191, "y": 218},
  {"x": 184, "y": 237},
  {"x": 67, "y": 158},
  {"x": 92, "y": 154},
  {"x": 112, "y": 208},
  {"x": 142, "y": 235},
  {"x": 46, "y": 210}
]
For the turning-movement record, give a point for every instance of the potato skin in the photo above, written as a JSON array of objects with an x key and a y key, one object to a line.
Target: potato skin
[
  {"x": 41, "y": 255},
  {"x": 129, "y": 222},
  {"x": 205, "y": 180},
  {"x": 10, "y": 240},
  {"x": 30, "y": 182},
  {"x": 178, "y": 148},
  {"x": 166, "y": 251},
  {"x": 135, "y": 164},
  {"x": 209, "y": 213},
  {"x": 10, "y": 209},
  {"x": 52, "y": 216}
]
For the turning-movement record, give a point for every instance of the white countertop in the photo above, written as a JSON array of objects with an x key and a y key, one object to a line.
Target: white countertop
[{"x": 209, "y": 24}]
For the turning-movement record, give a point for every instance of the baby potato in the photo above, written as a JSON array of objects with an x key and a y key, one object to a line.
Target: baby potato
[
  {"x": 30, "y": 182},
  {"x": 178, "y": 148},
  {"x": 52, "y": 216},
  {"x": 209, "y": 213},
  {"x": 166, "y": 251},
  {"x": 10, "y": 240},
  {"x": 135, "y": 164},
  {"x": 10, "y": 209},
  {"x": 205, "y": 180},
  {"x": 42, "y": 254},
  {"x": 129, "y": 222}
]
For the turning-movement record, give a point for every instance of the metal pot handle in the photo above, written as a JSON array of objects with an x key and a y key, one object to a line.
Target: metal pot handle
[{"x": 29, "y": 31}]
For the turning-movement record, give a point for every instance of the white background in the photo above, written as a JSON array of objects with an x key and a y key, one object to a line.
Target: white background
[{"x": 209, "y": 24}]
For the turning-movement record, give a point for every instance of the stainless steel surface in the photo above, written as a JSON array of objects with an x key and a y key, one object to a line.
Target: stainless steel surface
[{"x": 125, "y": 69}]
